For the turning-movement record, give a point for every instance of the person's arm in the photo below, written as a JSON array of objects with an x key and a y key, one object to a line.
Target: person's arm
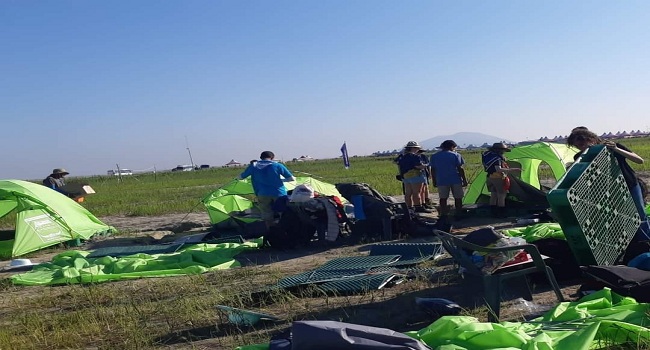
[
  {"x": 49, "y": 183},
  {"x": 246, "y": 172},
  {"x": 623, "y": 151},
  {"x": 461, "y": 172},
  {"x": 288, "y": 176},
  {"x": 498, "y": 168},
  {"x": 434, "y": 183}
]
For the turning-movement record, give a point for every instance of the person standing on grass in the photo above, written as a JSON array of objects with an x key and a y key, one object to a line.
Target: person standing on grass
[
  {"x": 268, "y": 178},
  {"x": 426, "y": 201},
  {"x": 494, "y": 163},
  {"x": 448, "y": 175},
  {"x": 411, "y": 169}
]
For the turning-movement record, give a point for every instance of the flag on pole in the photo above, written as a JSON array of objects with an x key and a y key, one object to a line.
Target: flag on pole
[{"x": 344, "y": 152}]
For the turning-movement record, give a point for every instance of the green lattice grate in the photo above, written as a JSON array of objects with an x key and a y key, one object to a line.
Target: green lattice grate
[
  {"x": 594, "y": 207},
  {"x": 410, "y": 253}
]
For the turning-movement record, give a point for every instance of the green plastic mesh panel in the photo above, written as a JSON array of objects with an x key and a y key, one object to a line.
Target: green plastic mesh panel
[
  {"x": 410, "y": 253},
  {"x": 359, "y": 284},
  {"x": 594, "y": 207},
  {"x": 337, "y": 269}
]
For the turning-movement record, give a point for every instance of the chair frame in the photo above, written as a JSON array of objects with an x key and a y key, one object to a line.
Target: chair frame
[{"x": 492, "y": 283}]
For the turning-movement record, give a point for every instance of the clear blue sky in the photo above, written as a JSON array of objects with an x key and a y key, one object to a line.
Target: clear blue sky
[{"x": 88, "y": 84}]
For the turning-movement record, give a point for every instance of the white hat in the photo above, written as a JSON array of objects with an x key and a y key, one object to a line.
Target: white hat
[{"x": 20, "y": 262}]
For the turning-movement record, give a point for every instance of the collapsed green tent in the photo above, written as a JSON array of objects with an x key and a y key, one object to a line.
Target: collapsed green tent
[
  {"x": 75, "y": 266},
  {"x": 229, "y": 198},
  {"x": 601, "y": 320},
  {"x": 556, "y": 156},
  {"x": 44, "y": 217}
]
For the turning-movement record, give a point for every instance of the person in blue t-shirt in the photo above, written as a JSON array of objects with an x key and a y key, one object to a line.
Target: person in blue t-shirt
[
  {"x": 268, "y": 178},
  {"x": 411, "y": 169},
  {"x": 448, "y": 175}
]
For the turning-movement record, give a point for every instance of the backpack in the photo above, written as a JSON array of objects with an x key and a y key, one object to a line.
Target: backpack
[{"x": 292, "y": 230}]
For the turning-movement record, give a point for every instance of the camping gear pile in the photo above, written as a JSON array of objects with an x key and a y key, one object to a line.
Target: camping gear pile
[{"x": 232, "y": 209}]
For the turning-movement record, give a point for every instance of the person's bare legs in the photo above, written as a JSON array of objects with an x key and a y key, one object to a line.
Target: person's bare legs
[{"x": 408, "y": 195}]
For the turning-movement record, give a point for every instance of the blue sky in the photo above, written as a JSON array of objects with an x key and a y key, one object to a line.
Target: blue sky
[{"x": 90, "y": 84}]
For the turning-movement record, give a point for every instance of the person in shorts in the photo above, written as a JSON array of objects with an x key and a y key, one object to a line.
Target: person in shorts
[
  {"x": 268, "y": 178},
  {"x": 448, "y": 175},
  {"x": 411, "y": 170},
  {"x": 497, "y": 169}
]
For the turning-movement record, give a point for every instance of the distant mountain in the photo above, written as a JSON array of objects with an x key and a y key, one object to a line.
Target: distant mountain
[{"x": 463, "y": 139}]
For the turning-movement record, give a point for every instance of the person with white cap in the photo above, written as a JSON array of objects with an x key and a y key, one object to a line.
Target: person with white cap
[
  {"x": 56, "y": 179},
  {"x": 411, "y": 168}
]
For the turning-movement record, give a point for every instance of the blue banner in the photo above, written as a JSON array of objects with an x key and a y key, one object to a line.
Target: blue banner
[{"x": 344, "y": 152}]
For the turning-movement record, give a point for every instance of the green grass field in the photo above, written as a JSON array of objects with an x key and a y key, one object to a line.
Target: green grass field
[
  {"x": 181, "y": 192},
  {"x": 177, "y": 312}
]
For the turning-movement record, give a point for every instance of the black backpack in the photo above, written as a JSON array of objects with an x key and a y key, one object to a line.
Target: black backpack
[{"x": 292, "y": 231}]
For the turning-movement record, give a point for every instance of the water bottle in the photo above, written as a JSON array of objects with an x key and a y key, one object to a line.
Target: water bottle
[{"x": 349, "y": 210}]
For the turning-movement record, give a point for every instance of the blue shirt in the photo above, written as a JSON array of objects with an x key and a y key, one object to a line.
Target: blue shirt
[
  {"x": 445, "y": 164},
  {"x": 265, "y": 177}
]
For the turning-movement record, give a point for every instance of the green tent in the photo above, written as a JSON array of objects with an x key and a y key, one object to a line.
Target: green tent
[
  {"x": 530, "y": 157},
  {"x": 44, "y": 217},
  {"x": 230, "y": 197}
]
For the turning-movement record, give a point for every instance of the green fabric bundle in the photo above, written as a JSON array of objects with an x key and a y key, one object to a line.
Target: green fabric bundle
[
  {"x": 598, "y": 321},
  {"x": 74, "y": 267},
  {"x": 538, "y": 231}
]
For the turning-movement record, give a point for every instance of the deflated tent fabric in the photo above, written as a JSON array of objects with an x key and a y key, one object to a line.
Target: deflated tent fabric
[
  {"x": 230, "y": 198},
  {"x": 536, "y": 232},
  {"x": 556, "y": 155},
  {"x": 44, "y": 217},
  {"x": 601, "y": 320},
  {"x": 76, "y": 267}
]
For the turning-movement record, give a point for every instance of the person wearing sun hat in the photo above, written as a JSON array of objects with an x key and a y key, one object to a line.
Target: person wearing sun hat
[
  {"x": 56, "y": 179},
  {"x": 494, "y": 163},
  {"x": 411, "y": 169}
]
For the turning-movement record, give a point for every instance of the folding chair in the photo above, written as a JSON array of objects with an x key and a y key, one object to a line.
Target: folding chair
[{"x": 492, "y": 282}]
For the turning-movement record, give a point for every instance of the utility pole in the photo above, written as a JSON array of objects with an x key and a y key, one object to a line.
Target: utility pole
[{"x": 187, "y": 145}]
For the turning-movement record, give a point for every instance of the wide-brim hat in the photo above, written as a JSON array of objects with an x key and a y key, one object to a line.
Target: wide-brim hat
[
  {"x": 412, "y": 144},
  {"x": 59, "y": 171},
  {"x": 500, "y": 146}
]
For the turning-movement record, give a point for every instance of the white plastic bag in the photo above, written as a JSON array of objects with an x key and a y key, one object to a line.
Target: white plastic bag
[{"x": 302, "y": 193}]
